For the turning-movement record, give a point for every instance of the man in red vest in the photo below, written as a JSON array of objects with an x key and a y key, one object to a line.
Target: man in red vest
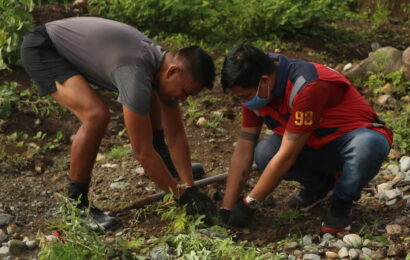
[{"x": 321, "y": 125}]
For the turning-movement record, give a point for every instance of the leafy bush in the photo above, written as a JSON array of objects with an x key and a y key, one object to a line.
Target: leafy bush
[
  {"x": 15, "y": 22},
  {"x": 227, "y": 21}
]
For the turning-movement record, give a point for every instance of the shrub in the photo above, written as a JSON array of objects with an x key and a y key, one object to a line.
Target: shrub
[{"x": 15, "y": 22}]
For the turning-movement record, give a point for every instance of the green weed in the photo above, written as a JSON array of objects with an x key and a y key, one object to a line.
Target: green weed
[{"x": 118, "y": 152}]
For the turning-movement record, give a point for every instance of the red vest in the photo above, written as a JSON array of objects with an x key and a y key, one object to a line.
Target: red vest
[{"x": 352, "y": 113}]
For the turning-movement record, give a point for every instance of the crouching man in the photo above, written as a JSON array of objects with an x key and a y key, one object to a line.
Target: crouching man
[{"x": 321, "y": 125}]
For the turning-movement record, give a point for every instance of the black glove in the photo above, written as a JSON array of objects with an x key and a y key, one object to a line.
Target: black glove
[
  {"x": 223, "y": 216},
  {"x": 197, "y": 203},
  {"x": 241, "y": 215}
]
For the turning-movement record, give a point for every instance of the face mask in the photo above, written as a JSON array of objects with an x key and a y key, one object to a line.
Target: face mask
[{"x": 256, "y": 102}]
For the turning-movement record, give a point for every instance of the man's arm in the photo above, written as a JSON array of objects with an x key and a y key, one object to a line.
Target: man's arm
[
  {"x": 177, "y": 142},
  {"x": 279, "y": 165},
  {"x": 140, "y": 134},
  {"x": 241, "y": 162}
]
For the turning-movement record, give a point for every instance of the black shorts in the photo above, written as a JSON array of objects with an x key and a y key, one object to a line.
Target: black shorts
[{"x": 43, "y": 63}]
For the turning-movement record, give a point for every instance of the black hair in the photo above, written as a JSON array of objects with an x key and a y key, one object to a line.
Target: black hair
[
  {"x": 243, "y": 66},
  {"x": 200, "y": 65}
]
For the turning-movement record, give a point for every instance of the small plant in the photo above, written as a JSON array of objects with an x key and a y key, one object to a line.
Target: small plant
[
  {"x": 118, "y": 152},
  {"x": 78, "y": 240},
  {"x": 56, "y": 142},
  {"x": 193, "y": 111},
  {"x": 7, "y": 97},
  {"x": 381, "y": 15},
  {"x": 215, "y": 119}
]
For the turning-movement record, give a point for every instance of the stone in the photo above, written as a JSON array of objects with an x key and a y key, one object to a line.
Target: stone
[
  {"x": 31, "y": 244},
  {"x": 348, "y": 66},
  {"x": 11, "y": 228},
  {"x": 290, "y": 245},
  {"x": 201, "y": 121},
  {"x": 367, "y": 251},
  {"x": 4, "y": 250},
  {"x": 140, "y": 170},
  {"x": 406, "y": 63},
  {"x": 393, "y": 229},
  {"x": 388, "y": 88},
  {"x": 292, "y": 257},
  {"x": 327, "y": 237},
  {"x": 16, "y": 247},
  {"x": 366, "y": 242},
  {"x": 408, "y": 203},
  {"x": 405, "y": 163},
  {"x": 376, "y": 255},
  {"x": 391, "y": 202},
  {"x": 393, "y": 168},
  {"x": 394, "y": 154},
  {"x": 331, "y": 255},
  {"x": 375, "y": 46},
  {"x": 353, "y": 240},
  {"x": 382, "y": 188},
  {"x": 339, "y": 244},
  {"x": 307, "y": 240},
  {"x": 119, "y": 185},
  {"x": 298, "y": 253},
  {"x": 405, "y": 98},
  {"x": 311, "y": 257},
  {"x": 394, "y": 250},
  {"x": 343, "y": 252},
  {"x": 353, "y": 254},
  {"x": 387, "y": 59},
  {"x": 3, "y": 236},
  {"x": 109, "y": 165},
  {"x": 392, "y": 194},
  {"x": 386, "y": 101},
  {"x": 5, "y": 219}
]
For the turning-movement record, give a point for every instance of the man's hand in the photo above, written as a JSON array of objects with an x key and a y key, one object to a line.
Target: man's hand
[
  {"x": 241, "y": 215},
  {"x": 223, "y": 216},
  {"x": 197, "y": 203}
]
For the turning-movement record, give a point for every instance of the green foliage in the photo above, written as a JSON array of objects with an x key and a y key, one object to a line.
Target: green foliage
[
  {"x": 79, "y": 241},
  {"x": 380, "y": 15},
  {"x": 15, "y": 22},
  {"x": 118, "y": 152},
  {"x": 193, "y": 111},
  {"x": 25, "y": 101},
  {"x": 7, "y": 97},
  {"x": 223, "y": 22},
  {"x": 399, "y": 122}
]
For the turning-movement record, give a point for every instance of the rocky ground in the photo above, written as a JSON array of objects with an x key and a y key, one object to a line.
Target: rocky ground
[{"x": 29, "y": 183}]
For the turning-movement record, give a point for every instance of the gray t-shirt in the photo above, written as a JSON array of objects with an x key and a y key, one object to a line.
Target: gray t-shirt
[{"x": 111, "y": 55}]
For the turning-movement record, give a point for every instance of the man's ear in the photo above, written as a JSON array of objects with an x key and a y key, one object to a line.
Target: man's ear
[{"x": 172, "y": 70}]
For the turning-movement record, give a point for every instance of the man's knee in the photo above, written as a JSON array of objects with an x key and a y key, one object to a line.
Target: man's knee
[
  {"x": 98, "y": 116},
  {"x": 265, "y": 150}
]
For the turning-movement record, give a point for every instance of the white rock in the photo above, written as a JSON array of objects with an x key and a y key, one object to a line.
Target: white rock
[
  {"x": 311, "y": 257},
  {"x": 4, "y": 250},
  {"x": 331, "y": 255},
  {"x": 343, "y": 252},
  {"x": 119, "y": 185},
  {"x": 367, "y": 251},
  {"x": 393, "y": 168},
  {"x": 290, "y": 245},
  {"x": 393, "y": 229},
  {"x": 382, "y": 188},
  {"x": 140, "y": 170},
  {"x": 348, "y": 66},
  {"x": 366, "y": 242},
  {"x": 327, "y": 237},
  {"x": 392, "y": 194},
  {"x": 391, "y": 202},
  {"x": 339, "y": 244},
  {"x": 31, "y": 244},
  {"x": 353, "y": 254},
  {"x": 109, "y": 165},
  {"x": 307, "y": 240},
  {"x": 405, "y": 163},
  {"x": 201, "y": 121},
  {"x": 100, "y": 157},
  {"x": 353, "y": 240}
]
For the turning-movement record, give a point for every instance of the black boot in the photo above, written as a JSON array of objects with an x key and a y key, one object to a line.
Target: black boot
[{"x": 79, "y": 193}]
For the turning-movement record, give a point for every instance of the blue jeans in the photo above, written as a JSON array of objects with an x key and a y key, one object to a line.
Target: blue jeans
[{"x": 358, "y": 154}]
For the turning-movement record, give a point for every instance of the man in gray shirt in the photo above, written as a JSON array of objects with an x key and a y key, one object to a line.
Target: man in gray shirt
[{"x": 63, "y": 57}]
